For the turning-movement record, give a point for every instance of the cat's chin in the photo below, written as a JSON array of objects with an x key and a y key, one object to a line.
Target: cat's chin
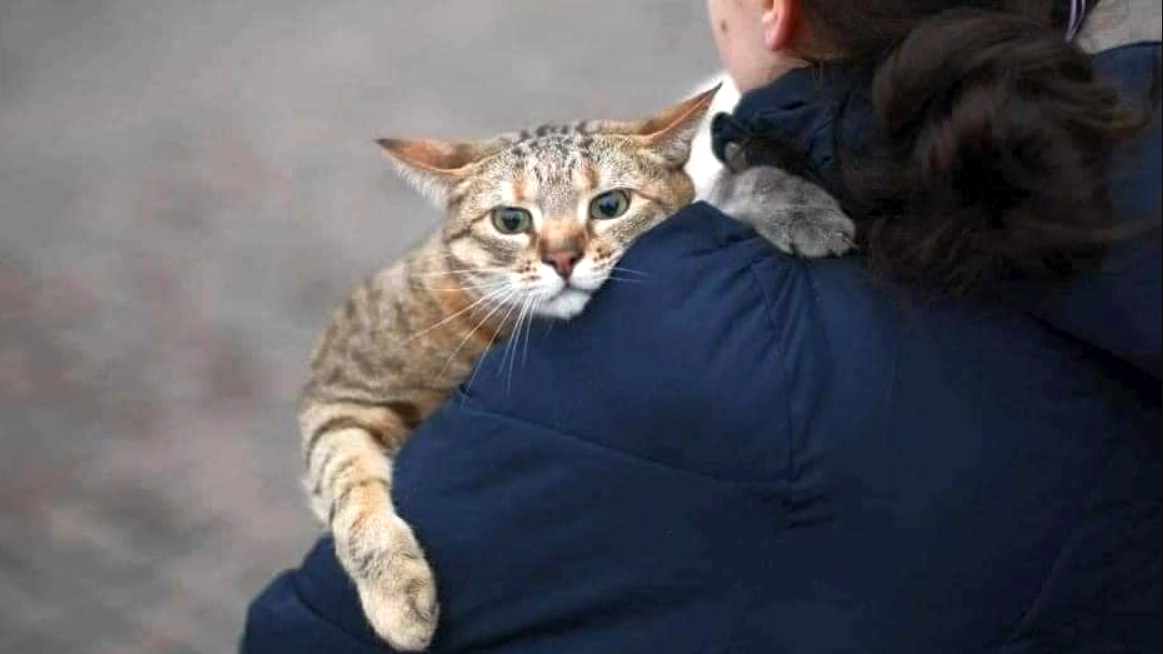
[{"x": 565, "y": 305}]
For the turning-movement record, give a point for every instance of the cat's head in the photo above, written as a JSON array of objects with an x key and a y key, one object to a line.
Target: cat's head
[{"x": 540, "y": 219}]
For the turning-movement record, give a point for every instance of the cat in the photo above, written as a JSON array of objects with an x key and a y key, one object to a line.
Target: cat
[{"x": 535, "y": 223}]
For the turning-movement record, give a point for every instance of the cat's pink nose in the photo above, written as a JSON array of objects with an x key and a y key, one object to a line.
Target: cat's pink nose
[{"x": 563, "y": 261}]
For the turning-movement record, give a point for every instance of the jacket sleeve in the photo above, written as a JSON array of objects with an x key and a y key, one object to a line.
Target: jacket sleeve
[{"x": 309, "y": 610}]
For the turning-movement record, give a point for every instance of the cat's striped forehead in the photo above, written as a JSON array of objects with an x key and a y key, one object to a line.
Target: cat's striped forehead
[
  {"x": 579, "y": 134},
  {"x": 557, "y": 147},
  {"x": 553, "y": 164}
]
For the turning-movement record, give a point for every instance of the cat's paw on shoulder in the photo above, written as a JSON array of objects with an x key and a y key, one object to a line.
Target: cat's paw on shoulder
[
  {"x": 813, "y": 233},
  {"x": 794, "y": 215}
]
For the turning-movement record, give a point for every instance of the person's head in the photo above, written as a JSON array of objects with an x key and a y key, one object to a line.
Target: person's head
[
  {"x": 759, "y": 40},
  {"x": 999, "y": 130}
]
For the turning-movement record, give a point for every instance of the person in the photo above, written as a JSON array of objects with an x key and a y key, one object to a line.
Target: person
[{"x": 947, "y": 443}]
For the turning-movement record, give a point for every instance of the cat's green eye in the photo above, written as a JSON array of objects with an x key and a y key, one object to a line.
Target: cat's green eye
[
  {"x": 610, "y": 205},
  {"x": 512, "y": 220}
]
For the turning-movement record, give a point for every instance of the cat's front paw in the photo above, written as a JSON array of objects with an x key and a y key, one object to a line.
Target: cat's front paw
[
  {"x": 814, "y": 233},
  {"x": 793, "y": 214},
  {"x": 396, "y": 587}
]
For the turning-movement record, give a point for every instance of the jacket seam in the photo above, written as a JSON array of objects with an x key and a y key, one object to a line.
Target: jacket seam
[
  {"x": 801, "y": 435},
  {"x": 793, "y": 429},
  {"x": 767, "y": 256}
]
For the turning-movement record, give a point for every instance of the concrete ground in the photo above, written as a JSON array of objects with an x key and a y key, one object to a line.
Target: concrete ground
[{"x": 186, "y": 189}]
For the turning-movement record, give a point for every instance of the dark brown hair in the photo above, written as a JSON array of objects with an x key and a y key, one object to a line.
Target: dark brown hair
[{"x": 1000, "y": 138}]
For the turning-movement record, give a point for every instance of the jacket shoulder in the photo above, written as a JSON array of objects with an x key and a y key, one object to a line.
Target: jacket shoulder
[{"x": 713, "y": 342}]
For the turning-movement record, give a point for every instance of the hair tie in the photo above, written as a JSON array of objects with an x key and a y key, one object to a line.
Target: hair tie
[{"x": 1077, "y": 17}]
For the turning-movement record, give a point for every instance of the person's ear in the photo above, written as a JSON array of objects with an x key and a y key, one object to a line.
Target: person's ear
[{"x": 781, "y": 21}]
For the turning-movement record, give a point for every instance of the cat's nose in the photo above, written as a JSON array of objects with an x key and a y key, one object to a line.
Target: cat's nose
[{"x": 563, "y": 261}]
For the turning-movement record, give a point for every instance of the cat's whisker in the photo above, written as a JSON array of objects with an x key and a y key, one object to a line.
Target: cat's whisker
[
  {"x": 465, "y": 281},
  {"x": 464, "y": 271},
  {"x": 496, "y": 306},
  {"x": 515, "y": 341},
  {"x": 456, "y": 315},
  {"x": 528, "y": 329},
  {"x": 629, "y": 271},
  {"x": 466, "y": 268},
  {"x": 459, "y": 289},
  {"x": 529, "y": 333},
  {"x": 512, "y": 336},
  {"x": 529, "y": 317},
  {"x": 625, "y": 280},
  {"x": 492, "y": 339},
  {"x": 516, "y": 338},
  {"x": 509, "y": 343},
  {"x": 468, "y": 287}
]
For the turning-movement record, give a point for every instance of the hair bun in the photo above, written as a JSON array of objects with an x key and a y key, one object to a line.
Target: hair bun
[{"x": 1002, "y": 135}]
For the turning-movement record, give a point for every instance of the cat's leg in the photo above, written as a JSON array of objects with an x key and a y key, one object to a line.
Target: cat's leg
[
  {"x": 796, "y": 216},
  {"x": 347, "y": 451}
]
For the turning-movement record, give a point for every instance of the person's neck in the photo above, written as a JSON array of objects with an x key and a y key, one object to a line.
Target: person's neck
[{"x": 1113, "y": 23}]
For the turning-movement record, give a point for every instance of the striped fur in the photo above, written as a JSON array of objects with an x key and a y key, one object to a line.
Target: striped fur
[{"x": 414, "y": 331}]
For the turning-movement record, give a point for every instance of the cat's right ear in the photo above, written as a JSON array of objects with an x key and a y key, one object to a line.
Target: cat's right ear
[
  {"x": 434, "y": 167},
  {"x": 671, "y": 133}
]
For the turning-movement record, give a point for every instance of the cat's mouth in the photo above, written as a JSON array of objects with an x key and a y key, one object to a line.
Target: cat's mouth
[{"x": 566, "y": 303}]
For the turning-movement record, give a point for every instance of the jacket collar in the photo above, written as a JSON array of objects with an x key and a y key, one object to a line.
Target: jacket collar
[{"x": 800, "y": 122}]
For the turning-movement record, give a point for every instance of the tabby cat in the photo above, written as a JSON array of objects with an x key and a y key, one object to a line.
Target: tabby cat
[{"x": 534, "y": 224}]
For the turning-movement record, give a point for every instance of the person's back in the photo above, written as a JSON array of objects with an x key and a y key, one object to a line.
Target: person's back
[{"x": 751, "y": 453}]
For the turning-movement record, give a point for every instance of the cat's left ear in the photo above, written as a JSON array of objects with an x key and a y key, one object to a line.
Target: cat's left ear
[
  {"x": 434, "y": 167},
  {"x": 671, "y": 132}
]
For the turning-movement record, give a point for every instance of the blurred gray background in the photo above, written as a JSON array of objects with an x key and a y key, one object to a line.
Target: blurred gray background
[{"x": 186, "y": 190}]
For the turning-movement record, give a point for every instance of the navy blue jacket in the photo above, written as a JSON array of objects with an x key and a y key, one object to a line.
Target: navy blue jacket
[{"x": 756, "y": 454}]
